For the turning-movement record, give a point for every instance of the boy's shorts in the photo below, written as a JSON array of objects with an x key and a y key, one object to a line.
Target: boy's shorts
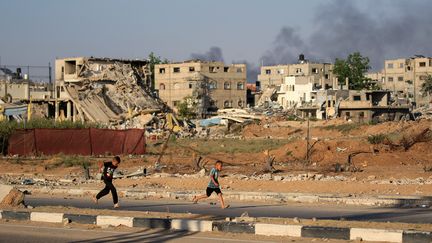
[{"x": 210, "y": 190}]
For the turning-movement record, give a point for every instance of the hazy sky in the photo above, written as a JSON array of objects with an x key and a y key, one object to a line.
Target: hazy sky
[{"x": 36, "y": 32}]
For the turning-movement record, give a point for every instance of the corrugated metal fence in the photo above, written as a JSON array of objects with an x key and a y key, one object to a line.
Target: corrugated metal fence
[{"x": 89, "y": 141}]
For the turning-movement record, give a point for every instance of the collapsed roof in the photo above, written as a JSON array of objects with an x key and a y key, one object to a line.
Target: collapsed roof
[{"x": 110, "y": 90}]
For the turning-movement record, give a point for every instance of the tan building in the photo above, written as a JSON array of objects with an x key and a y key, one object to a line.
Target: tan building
[
  {"x": 226, "y": 84},
  {"x": 272, "y": 76},
  {"x": 405, "y": 77}
]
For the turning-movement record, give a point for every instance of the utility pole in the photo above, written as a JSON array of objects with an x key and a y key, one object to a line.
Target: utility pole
[{"x": 308, "y": 141}]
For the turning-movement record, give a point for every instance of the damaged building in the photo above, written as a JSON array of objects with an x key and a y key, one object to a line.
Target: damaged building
[
  {"x": 405, "y": 77},
  {"x": 213, "y": 84},
  {"x": 355, "y": 105},
  {"x": 103, "y": 90},
  {"x": 320, "y": 73}
]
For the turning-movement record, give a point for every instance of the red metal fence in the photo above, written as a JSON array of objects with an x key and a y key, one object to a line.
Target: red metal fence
[{"x": 89, "y": 141}]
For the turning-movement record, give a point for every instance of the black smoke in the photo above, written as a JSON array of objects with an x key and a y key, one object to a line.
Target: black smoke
[
  {"x": 213, "y": 54},
  {"x": 390, "y": 29}
]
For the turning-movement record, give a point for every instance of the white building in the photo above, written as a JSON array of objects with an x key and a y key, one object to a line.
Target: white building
[{"x": 295, "y": 91}]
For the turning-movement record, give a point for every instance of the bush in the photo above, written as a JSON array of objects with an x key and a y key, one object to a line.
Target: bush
[
  {"x": 377, "y": 139},
  {"x": 72, "y": 160},
  {"x": 344, "y": 128}
]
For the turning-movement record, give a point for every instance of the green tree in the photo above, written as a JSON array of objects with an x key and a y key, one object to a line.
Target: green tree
[
  {"x": 187, "y": 108},
  {"x": 153, "y": 60},
  {"x": 426, "y": 87},
  {"x": 353, "y": 68}
]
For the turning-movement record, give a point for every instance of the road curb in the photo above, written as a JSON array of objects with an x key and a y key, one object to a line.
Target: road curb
[
  {"x": 376, "y": 200},
  {"x": 304, "y": 231}
]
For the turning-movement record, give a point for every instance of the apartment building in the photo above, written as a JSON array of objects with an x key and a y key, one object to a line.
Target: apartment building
[
  {"x": 295, "y": 91},
  {"x": 405, "y": 76},
  {"x": 225, "y": 85},
  {"x": 321, "y": 73}
]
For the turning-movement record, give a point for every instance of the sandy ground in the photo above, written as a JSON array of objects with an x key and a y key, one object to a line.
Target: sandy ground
[{"x": 335, "y": 140}]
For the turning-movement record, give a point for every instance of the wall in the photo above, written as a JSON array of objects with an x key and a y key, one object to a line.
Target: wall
[{"x": 174, "y": 86}]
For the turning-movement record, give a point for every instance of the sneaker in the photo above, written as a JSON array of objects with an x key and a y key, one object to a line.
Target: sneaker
[
  {"x": 95, "y": 200},
  {"x": 116, "y": 205}
]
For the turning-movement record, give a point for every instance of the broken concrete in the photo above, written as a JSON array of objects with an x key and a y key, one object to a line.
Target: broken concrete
[
  {"x": 109, "y": 91},
  {"x": 11, "y": 197}
]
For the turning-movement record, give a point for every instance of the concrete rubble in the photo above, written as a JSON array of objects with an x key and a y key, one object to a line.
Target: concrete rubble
[
  {"x": 111, "y": 91},
  {"x": 11, "y": 197}
]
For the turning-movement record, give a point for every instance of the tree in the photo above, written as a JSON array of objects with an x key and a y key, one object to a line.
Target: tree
[
  {"x": 353, "y": 68},
  {"x": 153, "y": 60},
  {"x": 187, "y": 108},
  {"x": 426, "y": 86}
]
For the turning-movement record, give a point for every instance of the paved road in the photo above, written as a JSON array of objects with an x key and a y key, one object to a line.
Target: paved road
[
  {"x": 12, "y": 232},
  {"x": 408, "y": 215}
]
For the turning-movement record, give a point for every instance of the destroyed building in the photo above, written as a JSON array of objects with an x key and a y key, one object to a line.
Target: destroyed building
[
  {"x": 213, "y": 84},
  {"x": 355, "y": 105},
  {"x": 103, "y": 90}
]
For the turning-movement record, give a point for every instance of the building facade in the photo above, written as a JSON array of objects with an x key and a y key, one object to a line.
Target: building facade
[
  {"x": 225, "y": 85},
  {"x": 295, "y": 91},
  {"x": 405, "y": 77},
  {"x": 321, "y": 73}
]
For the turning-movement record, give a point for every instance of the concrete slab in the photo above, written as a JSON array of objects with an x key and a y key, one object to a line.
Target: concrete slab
[
  {"x": 15, "y": 215},
  {"x": 152, "y": 223},
  {"x": 376, "y": 235},
  {"x": 191, "y": 225},
  {"x": 81, "y": 218},
  {"x": 46, "y": 217},
  {"x": 234, "y": 227},
  {"x": 326, "y": 232},
  {"x": 278, "y": 230},
  {"x": 4, "y": 191},
  {"x": 416, "y": 237},
  {"x": 114, "y": 220}
]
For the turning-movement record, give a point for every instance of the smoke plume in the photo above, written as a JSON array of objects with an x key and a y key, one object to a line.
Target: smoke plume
[
  {"x": 213, "y": 54},
  {"x": 341, "y": 28}
]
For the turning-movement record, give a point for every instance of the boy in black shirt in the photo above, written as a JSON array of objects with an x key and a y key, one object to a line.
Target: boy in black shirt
[{"x": 107, "y": 176}]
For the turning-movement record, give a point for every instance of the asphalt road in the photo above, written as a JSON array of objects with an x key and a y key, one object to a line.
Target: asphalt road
[
  {"x": 307, "y": 211},
  {"x": 36, "y": 233}
]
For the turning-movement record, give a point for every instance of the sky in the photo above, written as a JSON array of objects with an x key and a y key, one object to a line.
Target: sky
[{"x": 248, "y": 31}]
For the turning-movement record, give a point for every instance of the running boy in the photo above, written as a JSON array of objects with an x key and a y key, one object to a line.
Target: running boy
[
  {"x": 213, "y": 186},
  {"x": 107, "y": 176}
]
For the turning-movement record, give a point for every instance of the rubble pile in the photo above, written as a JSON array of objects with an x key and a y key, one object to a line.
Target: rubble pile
[
  {"x": 424, "y": 112},
  {"x": 11, "y": 197},
  {"x": 111, "y": 92}
]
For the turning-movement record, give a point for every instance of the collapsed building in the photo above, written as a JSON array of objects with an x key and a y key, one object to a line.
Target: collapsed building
[{"x": 104, "y": 90}]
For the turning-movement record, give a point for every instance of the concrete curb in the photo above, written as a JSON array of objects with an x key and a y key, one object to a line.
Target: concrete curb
[
  {"x": 364, "y": 234},
  {"x": 378, "y": 200}
]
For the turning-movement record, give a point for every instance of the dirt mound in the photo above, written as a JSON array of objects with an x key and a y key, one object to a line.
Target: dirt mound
[
  {"x": 254, "y": 131},
  {"x": 15, "y": 198}
]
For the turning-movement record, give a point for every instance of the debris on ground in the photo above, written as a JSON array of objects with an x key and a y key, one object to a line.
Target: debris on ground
[{"x": 11, "y": 197}]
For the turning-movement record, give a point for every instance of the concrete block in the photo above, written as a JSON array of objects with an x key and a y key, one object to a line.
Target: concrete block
[
  {"x": 152, "y": 223},
  {"x": 114, "y": 220},
  {"x": 15, "y": 215},
  {"x": 376, "y": 235},
  {"x": 278, "y": 230},
  {"x": 4, "y": 191},
  {"x": 81, "y": 218},
  {"x": 234, "y": 227},
  {"x": 326, "y": 232},
  {"x": 191, "y": 225},
  {"x": 46, "y": 217},
  {"x": 416, "y": 237}
]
